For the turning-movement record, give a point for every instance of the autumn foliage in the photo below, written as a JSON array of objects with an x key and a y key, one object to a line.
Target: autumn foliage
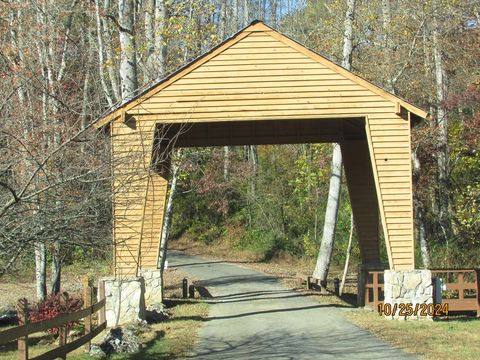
[{"x": 53, "y": 306}]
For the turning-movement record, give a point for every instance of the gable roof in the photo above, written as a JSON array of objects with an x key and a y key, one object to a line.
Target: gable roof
[{"x": 256, "y": 26}]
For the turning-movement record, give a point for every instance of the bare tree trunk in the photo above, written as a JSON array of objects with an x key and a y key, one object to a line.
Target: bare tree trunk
[
  {"x": 328, "y": 236},
  {"x": 234, "y": 16},
  {"x": 56, "y": 267},
  {"x": 386, "y": 15},
  {"x": 160, "y": 47},
  {"x": 167, "y": 220},
  {"x": 41, "y": 270},
  {"x": 101, "y": 58},
  {"x": 222, "y": 26},
  {"x": 419, "y": 211},
  {"x": 112, "y": 71},
  {"x": 347, "y": 259},
  {"x": 253, "y": 156},
  {"x": 222, "y": 35},
  {"x": 442, "y": 125},
  {"x": 128, "y": 57},
  {"x": 39, "y": 245},
  {"x": 273, "y": 12},
  {"x": 246, "y": 17},
  {"x": 226, "y": 162},
  {"x": 149, "y": 40}
]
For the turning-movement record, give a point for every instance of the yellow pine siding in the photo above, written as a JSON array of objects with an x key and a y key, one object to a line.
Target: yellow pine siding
[
  {"x": 138, "y": 197},
  {"x": 394, "y": 188}
]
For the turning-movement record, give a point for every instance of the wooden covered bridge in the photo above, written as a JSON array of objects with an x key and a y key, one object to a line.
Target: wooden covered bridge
[{"x": 261, "y": 87}]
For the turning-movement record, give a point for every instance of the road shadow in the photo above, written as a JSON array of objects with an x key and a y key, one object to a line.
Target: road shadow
[
  {"x": 286, "y": 345},
  {"x": 239, "y": 279},
  {"x": 282, "y": 310}
]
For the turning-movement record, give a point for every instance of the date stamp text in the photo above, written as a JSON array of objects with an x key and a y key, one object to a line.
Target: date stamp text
[{"x": 409, "y": 309}]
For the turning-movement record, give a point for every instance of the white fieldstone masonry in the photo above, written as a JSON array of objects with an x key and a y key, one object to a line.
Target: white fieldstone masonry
[
  {"x": 153, "y": 286},
  {"x": 125, "y": 300},
  {"x": 407, "y": 287}
]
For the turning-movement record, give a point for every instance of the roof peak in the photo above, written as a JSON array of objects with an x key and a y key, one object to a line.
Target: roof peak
[{"x": 254, "y": 26}]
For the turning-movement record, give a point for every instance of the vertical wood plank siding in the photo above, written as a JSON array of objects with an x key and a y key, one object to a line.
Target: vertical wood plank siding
[
  {"x": 139, "y": 198},
  {"x": 262, "y": 76}
]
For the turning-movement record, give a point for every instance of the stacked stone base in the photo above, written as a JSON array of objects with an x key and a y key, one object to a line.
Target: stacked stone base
[
  {"x": 125, "y": 300},
  {"x": 406, "y": 287},
  {"x": 153, "y": 286},
  {"x": 128, "y": 299}
]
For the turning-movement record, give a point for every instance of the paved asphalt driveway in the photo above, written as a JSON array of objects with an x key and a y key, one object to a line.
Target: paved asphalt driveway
[{"x": 253, "y": 317}]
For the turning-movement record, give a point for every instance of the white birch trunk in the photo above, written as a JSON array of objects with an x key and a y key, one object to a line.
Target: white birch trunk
[
  {"x": 246, "y": 17},
  {"x": 333, "y": 201},
  {"x": 347, "y": 258},
  {"x": 41, "y": 270},
  {"x": 101, "y": 58},
  {"x": 167, "y": 220},
  {"x": 442, "y": 127},
  {"x": 128, "y": 57},
  {"x": 226, "y": 162},
  {"x": 234, "y": 16},
  {"x": 273, "y": 12},
  {"x": 328, "y": 237},
  {"x": 160, "y": 46},
  {"x": 419, "y": 211},
  {"x": 386, "y": 22},
  {"x": 112, "y": 73},
  {"x": 149, "y": 40},
  {"x": 253, "y": 157}
]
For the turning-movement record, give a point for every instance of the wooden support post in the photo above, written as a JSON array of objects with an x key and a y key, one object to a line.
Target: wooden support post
[
  {"x": 23, "y": 319},
  {"x": 460, "y": 285},
  {"x": 191, "y": 291},
  {"x": 87, "y": 302},
  {"x": 361, "y": 286},
  {"x": 336, "y": 286},
  {"x": 101, "y": 295},
  {"x": 63, "y": 329},
  {"x": 375, "y": 290},
  {"x": 477, "y": 280},
  {"x": 185, "y": 288}
]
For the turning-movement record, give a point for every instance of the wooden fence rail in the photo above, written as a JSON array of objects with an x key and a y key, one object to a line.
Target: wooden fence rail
[
  {"x": 25, "y": 327},
  {"x": 462, "y": 288},
  {"x": 374, "y": 288}
]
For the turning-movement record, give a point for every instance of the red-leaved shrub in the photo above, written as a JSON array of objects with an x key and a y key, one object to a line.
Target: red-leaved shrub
[{"x": 53, "y": 306}]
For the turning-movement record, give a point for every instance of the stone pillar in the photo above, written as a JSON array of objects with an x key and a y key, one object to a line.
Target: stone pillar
[
  {"x": 406, "y": 287},
  {"x": 125, "y": 300},
  {"x": 153, "y": 287}
]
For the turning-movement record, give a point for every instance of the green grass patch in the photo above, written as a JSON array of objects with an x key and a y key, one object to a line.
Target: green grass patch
[{"x": 451, "y": 338}]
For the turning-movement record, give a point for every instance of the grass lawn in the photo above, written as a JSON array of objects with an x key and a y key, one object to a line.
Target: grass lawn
[{"x": 451, "y": 338}]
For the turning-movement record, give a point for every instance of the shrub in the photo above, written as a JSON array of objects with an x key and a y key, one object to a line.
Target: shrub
[{"x": 53, "y": 306}]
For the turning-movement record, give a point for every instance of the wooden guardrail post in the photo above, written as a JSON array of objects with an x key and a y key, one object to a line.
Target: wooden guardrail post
[
  {"x": 184, "y": 288},
  {"x": 477, "y": 280},
  {"x": 23, "y": 319},
  {"x": 101, "y": 295},
  {"x": 87, "y": 302},
  {"x": 63, "y": 329}
]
